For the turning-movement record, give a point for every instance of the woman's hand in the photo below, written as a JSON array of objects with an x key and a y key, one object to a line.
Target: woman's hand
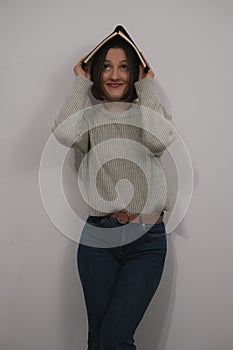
[
  {"x": 79, "y": 71},
  {"x": 142, "y": 75}
]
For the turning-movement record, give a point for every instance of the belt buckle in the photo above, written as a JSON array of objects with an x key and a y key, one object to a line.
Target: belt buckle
[{"x": 123, "y": 216}]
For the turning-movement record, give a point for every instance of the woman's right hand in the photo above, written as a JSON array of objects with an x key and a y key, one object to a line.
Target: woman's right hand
[{"x": 79, "y": 71}]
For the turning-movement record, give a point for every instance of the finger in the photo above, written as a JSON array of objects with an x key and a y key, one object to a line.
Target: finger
[
  {"x": 141, "y": 73},
  {"x": 88, "y": 66},
  {"x": 79, "y": 63},
  {"x": 141, "y": 68}
]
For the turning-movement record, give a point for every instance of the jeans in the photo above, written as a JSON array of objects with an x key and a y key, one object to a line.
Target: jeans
[{"x": 119, "y": 282}]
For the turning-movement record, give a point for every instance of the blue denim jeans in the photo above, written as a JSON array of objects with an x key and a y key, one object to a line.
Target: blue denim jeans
[{"x": 119, "y": 282}]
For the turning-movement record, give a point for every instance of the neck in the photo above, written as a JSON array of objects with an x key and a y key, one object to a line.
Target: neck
[{"x": 116, "y": 106}]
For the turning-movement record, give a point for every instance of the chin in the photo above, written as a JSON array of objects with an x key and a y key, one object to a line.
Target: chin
[
  {"x": 114, "y": 98},
  {"x": 117, "y": 97}
]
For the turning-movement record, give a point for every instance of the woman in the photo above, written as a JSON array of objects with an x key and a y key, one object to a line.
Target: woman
[{"x": 119, "y": 272}]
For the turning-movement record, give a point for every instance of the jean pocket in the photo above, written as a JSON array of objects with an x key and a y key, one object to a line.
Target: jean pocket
[
  {"x": 109, "y": 221},
  {"x": 157, "y": 230},
  {"x": 103, "y": 221},
  {"x": 94, "y": 220}
]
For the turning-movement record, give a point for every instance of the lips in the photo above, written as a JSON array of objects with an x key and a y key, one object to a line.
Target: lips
[{"x": 114, "y": 85}]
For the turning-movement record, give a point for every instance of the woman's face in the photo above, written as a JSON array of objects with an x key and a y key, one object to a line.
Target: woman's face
[{"x": 115, "y": 78}]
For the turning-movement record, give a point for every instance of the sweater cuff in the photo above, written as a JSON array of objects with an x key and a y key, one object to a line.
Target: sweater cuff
[
  {"x": 82, "y": 83},
  {"x": 146, "y": 92},
  {"x": 145, "y": 86}
]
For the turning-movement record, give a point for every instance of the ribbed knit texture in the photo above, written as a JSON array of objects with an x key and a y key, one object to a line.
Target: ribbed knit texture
[{"x": 117, "y": 146}]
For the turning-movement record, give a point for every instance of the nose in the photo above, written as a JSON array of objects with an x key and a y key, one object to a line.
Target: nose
[{"x": 115, "y": 74}]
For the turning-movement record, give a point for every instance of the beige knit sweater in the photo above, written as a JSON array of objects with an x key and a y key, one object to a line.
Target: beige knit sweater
[{"x": 121, "y": 165}]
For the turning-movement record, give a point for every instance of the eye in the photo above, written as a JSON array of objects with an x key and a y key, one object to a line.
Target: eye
[
  {"x": 106, "y": 67},
  {"x": 124, "y": 67}
]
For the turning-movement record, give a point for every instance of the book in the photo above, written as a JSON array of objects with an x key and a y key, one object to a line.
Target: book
[{"x": 119, "y": 30}]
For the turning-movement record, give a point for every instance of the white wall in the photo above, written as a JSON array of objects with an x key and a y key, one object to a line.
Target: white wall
[{"x": 189, "y": 45}]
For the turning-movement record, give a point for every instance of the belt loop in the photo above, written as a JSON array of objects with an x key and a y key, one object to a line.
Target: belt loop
[{"x": 140, "y": 220}]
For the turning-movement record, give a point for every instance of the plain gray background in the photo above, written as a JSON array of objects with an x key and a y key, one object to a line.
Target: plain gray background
[{"x": 189, "y": 46}]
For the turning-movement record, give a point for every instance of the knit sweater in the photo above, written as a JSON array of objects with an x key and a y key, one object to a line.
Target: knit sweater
[{"x": 121, "y": 166}]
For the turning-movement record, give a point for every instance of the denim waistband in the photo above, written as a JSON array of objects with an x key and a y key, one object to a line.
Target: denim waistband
[{"x": 101, "y": 217}]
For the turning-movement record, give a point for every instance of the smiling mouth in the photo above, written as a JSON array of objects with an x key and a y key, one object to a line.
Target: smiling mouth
[{"x": 114, "y": 85}]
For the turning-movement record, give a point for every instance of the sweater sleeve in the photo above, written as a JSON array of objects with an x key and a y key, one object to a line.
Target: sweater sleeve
[
  {"x": 148, "y": 97},
  {"x": 154, "y": 118},
  {"x": 70, "y": 127}
]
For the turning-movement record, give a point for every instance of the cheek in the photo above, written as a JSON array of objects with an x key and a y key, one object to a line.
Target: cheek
[
  {"x": 104, "y": 78},
  {"x": 127, "y": 79}
]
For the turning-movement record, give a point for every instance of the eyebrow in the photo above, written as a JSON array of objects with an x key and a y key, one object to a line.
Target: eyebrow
[{"x": 119, "y": 61}]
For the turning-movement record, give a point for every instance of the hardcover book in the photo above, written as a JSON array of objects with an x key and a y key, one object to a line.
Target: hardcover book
[{"x": 121, "y": 32}]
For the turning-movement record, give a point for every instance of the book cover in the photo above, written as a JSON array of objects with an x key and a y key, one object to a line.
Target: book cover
[{"x": 118, "y": 31}]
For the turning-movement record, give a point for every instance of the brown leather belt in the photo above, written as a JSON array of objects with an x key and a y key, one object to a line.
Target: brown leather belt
[{"x": 123, "y": 217}]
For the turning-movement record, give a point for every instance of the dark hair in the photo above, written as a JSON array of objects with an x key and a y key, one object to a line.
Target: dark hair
[{"x": 98, "y": 64}]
